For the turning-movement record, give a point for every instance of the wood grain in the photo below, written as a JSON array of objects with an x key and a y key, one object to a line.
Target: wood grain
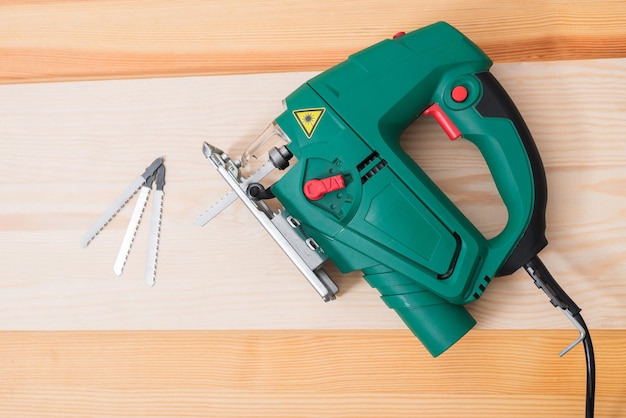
[
  {"x": 264, "y": 345},
  {"x": 302, "y": 374},
  {"x": 61, "y": 40},
  {"x": 75, "y": 146}
]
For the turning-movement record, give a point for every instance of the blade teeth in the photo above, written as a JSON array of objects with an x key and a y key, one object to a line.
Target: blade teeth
[
  {"x": 86, "y": 240},
  {"x": 231, "y": 196},
  {"x": 113, "y": 210},
  {"x": 153, "y": 251},
  {"x": 215, "y": 209}
]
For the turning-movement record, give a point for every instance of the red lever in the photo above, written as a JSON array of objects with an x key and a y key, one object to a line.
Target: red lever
[
  {"x": 316, "y": 189},
  {"x": 444, "y": 121}
]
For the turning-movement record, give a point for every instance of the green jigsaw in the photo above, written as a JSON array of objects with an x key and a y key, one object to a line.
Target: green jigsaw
[{"x": 351, "y": 194}]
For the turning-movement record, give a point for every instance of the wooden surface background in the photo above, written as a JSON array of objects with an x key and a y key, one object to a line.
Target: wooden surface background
[{"x": 92, "y": 91}]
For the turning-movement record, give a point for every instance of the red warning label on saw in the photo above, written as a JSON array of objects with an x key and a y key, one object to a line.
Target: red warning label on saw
[{"x": 309, "y": 119}]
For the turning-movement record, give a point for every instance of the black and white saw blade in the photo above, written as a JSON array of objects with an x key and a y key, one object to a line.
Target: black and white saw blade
[{"x": 119, "y": 203}]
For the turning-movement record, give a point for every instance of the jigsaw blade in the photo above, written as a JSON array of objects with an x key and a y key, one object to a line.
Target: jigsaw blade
[
  {"x": 155, "y": 232},
  {"x": 155, "y": 227},
  {"x": 110, "y": 213},
  {"x": 119, "y": 203},
  {"x": 216, "y": 209},
  {"x": 231, "y": 196},
  {"x": 131, "y": 230}
]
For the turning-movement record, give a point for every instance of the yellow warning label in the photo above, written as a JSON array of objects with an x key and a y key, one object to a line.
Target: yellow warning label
[{"x": 308, "y": 119}]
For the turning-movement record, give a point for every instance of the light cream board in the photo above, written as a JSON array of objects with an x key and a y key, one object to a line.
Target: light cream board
[{"x": 68, "y": 149}]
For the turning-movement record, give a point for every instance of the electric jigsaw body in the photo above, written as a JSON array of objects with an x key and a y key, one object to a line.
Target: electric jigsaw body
[
  {"x": 368, "y": 206},
  {"x": 390, "y": 220},
  {"x": 352, "y": 195}
]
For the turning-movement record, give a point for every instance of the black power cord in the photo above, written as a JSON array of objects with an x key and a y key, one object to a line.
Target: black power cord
[
  {"x": 591, "y": 368},
  {"x": 544, "y": 281}
]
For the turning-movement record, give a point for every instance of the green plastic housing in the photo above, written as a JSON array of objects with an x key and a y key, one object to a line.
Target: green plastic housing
[{"x": 390, "y": 220}]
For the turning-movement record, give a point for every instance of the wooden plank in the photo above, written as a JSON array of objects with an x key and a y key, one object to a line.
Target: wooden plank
[
  {"x": 60, "y": 40},
  {"x": 68, "y": 150},
  {"x": 303, "y": 374}
]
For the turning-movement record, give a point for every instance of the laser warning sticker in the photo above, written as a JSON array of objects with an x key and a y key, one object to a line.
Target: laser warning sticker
[{"x": 308, "y": 119}]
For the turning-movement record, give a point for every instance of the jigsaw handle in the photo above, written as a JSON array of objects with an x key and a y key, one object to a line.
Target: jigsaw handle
[{"x": 485, "y": 115}]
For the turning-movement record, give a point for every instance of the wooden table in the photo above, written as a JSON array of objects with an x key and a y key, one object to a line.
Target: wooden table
[{"x": 92, "y": 91}]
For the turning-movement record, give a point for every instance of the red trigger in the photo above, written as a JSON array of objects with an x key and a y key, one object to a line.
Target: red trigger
[{"x": 444, "y": 121}]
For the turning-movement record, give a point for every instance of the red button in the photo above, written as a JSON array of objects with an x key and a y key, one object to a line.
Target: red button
[
  {"x": 316, "y": 189},
  {"x": 459, "y": 94},
  {"x": 399, "y": 34}
]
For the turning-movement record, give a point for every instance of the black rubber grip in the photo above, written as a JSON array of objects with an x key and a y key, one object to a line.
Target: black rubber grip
[{"x": 496, "y": 103}]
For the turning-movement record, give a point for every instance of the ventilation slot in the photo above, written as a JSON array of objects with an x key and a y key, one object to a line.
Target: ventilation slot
[
  {"x": 373, "y": 171},
  {"x": 367, "y": 161},
  {"x": 482, "y": 287}
]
